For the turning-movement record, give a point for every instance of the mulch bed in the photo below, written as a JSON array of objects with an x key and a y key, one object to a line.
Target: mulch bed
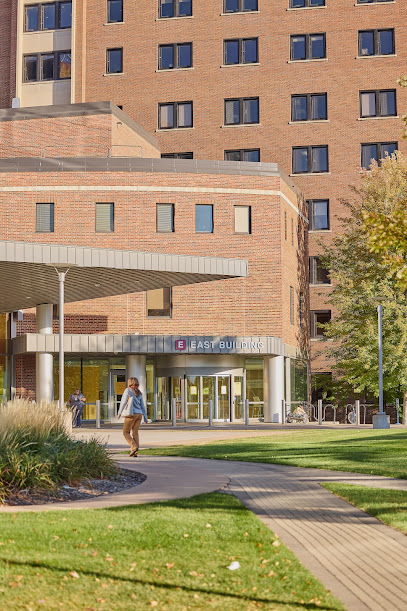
[{"x": 85, "y": 489}]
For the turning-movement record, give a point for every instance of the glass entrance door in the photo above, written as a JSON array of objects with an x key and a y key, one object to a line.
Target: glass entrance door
[
  {"x": 117, "y": 388},
  {"x": 222, "y": 411}
]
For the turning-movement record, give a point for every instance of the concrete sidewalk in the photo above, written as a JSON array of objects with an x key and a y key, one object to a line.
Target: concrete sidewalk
[{"x": 362, "y": 561}]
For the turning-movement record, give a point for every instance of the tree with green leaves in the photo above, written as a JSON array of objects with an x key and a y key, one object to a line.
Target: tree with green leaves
[{"x": 361, "y": 276}]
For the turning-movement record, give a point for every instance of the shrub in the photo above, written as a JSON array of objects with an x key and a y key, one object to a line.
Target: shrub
[{"x": 37, "y": 450}]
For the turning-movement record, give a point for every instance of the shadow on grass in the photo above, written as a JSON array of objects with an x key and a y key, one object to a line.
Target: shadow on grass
[{"x": 157, "y": 584}]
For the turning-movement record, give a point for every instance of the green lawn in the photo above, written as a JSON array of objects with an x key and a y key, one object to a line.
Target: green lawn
[
  {"x": 389, "y": 506},
  {"x": 381, "y": 452},
  {"x": 169, "y": 555}
]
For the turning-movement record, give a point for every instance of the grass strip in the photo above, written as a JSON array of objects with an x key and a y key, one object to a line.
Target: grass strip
[
  {"x": 358, "y": 451},
  {"x": 171, "y": 555},
  {"x": 389, "y": 506}
]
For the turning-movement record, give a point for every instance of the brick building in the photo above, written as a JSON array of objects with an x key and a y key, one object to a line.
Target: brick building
[{"x": 94, "y": 179}]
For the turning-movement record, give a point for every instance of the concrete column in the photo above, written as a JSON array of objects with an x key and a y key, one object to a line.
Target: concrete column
[
  {"x": 274, "y": 388},
  {"x": 136, "y": 368},
  {"x": 44, "y": 362}
]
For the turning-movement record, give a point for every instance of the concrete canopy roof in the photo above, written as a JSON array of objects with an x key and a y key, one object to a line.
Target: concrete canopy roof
[{"x": 28, "y": 277}]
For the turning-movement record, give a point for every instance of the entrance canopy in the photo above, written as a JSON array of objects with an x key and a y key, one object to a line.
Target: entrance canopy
[{"x": 28, "y": 277}]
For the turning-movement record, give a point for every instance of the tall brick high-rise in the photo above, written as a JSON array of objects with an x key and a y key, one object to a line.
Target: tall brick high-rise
[{"x": 309, "y": 84}]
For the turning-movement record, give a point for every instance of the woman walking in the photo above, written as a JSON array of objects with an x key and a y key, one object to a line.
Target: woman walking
[{"x": 133, "y": 409}]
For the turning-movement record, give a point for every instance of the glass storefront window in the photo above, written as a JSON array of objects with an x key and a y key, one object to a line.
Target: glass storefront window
[
  {"x": 193, "y": 397},
  {"x": 255, "y": 386},
  {"x": 149, "y": 393},
  {"x": 299, "y": 391},
  {"x": 91, "y": 376}
]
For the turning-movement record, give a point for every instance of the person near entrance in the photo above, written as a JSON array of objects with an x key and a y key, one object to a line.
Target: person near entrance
[
  {"x": 76, "y": 403},
  {"x": 133, "y": 409}
]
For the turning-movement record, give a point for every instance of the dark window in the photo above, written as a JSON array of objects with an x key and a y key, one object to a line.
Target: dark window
[
  {"x": 44, "y": 218},
  {"x": 240, "y": 51},
  {"x": 309, "y": 107},
  {"x": 322, "y": 386},
  {"x": 104, "y": 218},
  {"x": 114, "y": 11},
  {"x": 32, "y": 18},
  {"x": 239, "y": 6},
  {"x": 319, "y": 318},
  {"x": 317, "y": 273},
  {"x": 241, "y": 110},
  {"x": 47, "y": 66},
  {"x": 204, "y": 218},
  {"x": 159, "y": 302},
  {"x": 318, "y": 214},
  {"x": 175, "y": 8},
  {"x": 379, "y": 103},
  {"x": 376, "y": 151},
  {"x": 188, "y": 155},
  {"x": 114, "y": 61},
  {"x": 291, "y": 305},
  {"x": 372, "y": 1},
  {"x": 305, "y": 3},
  {"x": 165, "y": 218},
  {"x": 174, "y": 114},
  {"x": 243, "y": 219},
  {"x": 30, "y": 68},
  {"x": 175, "y": 56},
  {"x": 48, "y": 16},
  {"x": 310, "y": 159},
  {"x": 307, "y": 46},
  {"x": 243, "y": 155},
  {"x": 376, "y": 42}
]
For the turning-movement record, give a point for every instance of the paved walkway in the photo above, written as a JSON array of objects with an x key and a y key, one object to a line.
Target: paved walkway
[{"x": 363, "y": 562}]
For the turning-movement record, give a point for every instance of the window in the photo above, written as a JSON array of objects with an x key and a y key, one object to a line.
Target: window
[
  {"x": 241, "y": 110},
  {"x": 240, "y": 51},
  {"x": 243, "y": 155},
  {"x": 372, "y": 1},
  {"x": 376, "y": 42},
  {"x": 114, "y": 61},
  {"x": 159, "y": 302},
  {"x": 47, "y": 66},
  {"x": 308, "y": 159},
  {"x": 243, "y": 219},
  {"x": 175, "y": 56},
  {"x": 291, "y": 305},
  {"x": 188, "y": 155},
  {"x": 104, "y": 218},
  {"x": 305, "y": 3},
  {"x": 318, "y": 214},
  {"x": 175, "y": 8},
  {"x": 165, "y": 218},
  {"x": 319, "y": 318},
  {"x": 380, "y": 103},
  {"x": 307, "y": 46},
  {"x": 239, "y": 6},
  {"x": 48, "y": 16},
  {"x": 301, "y": 309},
  {"x": 175, "y": 115},
  {"x": 317, "y": 273},
  {"x": 44, "y": 218},
  {"x": 376, "y": 151},
  {"x": 114, "y": 11},
  {"x": 309, "y": 107},
  {"x": 204, "y": 218}
]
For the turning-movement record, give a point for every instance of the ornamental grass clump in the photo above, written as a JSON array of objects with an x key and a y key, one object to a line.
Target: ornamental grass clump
[{"x": 38, "y": 452}]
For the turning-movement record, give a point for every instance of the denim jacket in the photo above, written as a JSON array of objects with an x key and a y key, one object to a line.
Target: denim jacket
[{"x": 137, "y": 405}]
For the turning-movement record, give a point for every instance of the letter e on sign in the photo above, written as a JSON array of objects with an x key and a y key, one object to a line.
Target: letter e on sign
[{"x": 180, "y": 344}]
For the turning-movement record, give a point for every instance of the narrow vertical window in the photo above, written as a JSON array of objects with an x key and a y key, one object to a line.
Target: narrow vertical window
[
  {"x": 204, "y": 218},
  {"x": 44, "y": 218},
  {"x": 165, "y": 218},
  {"x": 243, "y": 219},
  {"x": 114, "y": 61},
  {"x": 114, "y": 11},
  {"x": 104, "y": 218}
]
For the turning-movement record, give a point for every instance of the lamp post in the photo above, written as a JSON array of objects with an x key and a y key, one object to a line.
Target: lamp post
[{"x": 380, "y": 420}]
